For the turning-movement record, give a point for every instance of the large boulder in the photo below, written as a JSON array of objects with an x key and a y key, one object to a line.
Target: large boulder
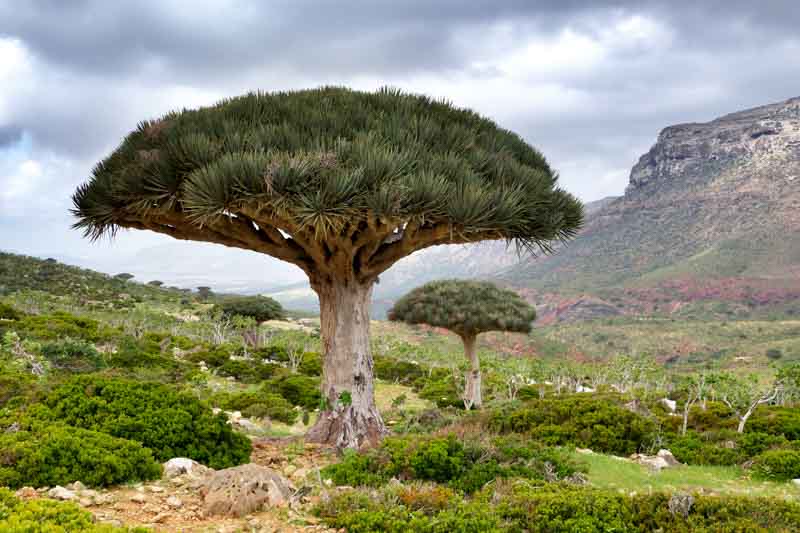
[
  {"x": 244, "y": 489},
  {"x": 663, "y": 459}
]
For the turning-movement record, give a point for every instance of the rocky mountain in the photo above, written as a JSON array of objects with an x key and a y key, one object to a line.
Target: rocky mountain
[{"x": 711, "y": 214}]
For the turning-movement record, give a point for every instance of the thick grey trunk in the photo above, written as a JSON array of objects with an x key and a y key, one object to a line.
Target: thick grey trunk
[
  {"x": 472, "y": 390},
  {"x": 349, "y": 418}
]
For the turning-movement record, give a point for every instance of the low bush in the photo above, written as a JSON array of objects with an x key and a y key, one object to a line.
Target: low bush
[
  {"x": 296, "y": 389},
  {"x": 580, "y": 420},
  {"x": 73, "y": 355},
  {"x": 48, "y": 516},
  {"x": 396, "y": 370},
  {"x": 249, "y": 371},
  {"x": 170, "y": 423},
  {"x": 777, "y": 465},
  {"x": 58, "y": 454},
  {"x": 448, "y": 460},
  {"x": 776, "y": 421},
  {"x": 258, "y": 404},
  {"x": 259, "y": 308},
  {"x": 553, "y": 508},
  {"x": 9, "y": 313},
  {"x": 697, "y": 449}
]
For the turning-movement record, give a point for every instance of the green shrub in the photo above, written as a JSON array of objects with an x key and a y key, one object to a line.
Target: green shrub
[
  {"x": 442, "y": 392},
  {"x": 753, "y": 443},
  {"x": 296, "y": 389},
  {"x": 776, "y": 421},
  {"x": 259, "y": 308},
  {"x": 14, "y": 384},
  {"x": 58, "y": 454},
  {"x": 9, "y": 313},
  {"x": 248, "y": 371},
  {"x": 133, "y": 354},
  {"x": 395, "y": 370},
  {"x": 777, "y": 465},
  {"x": 448, "y": 460},
  {"x": 170, "y": 423},
  {"x": 696, "y": 449},
  {"x": 60, "y": 324},
  {"x": 73, "y": 355},
  {"x": 311, "y": 365},
  {"x": 588, "y": 422},
  {"x": 552, "y": 508},
  {"x": 257, "y": 404},
  {"x": 48, "y": 516}
]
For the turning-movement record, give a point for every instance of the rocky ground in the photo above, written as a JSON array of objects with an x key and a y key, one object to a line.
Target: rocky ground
[{"x": 193, "y": 499}]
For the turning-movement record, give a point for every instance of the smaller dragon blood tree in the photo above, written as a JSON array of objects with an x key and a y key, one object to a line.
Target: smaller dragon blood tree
[{"x": 466, "y": 308}]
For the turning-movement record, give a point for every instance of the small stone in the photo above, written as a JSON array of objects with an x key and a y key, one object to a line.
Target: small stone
[
  {"x": 796, "y": 482},
  {"x": 76, "y": 486},
  {"x": 139, "y": 498},
  {"x": 89, "y": 493},
  {"x": 86, "y": 502},
  {"x": 161, "y": 517},
  {"x": 174, "y": 502},
  {"x": 156, "y": 489},
  {"x": 60, "y": 493}
]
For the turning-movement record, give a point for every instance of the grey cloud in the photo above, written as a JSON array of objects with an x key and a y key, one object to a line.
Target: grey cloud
[{"x": 9, "y": 135}]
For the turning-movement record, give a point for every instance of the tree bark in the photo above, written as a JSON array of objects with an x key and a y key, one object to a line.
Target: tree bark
[
  {"x": 472, "y": 390},
  {"x": 349, "y": 417}
]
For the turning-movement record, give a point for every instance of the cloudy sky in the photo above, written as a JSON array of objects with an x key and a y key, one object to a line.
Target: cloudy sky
[{"x": 588, "y": 82}]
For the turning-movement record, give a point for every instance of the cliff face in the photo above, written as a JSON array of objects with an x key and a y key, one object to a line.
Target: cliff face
[{"x": 712, "y": 201}]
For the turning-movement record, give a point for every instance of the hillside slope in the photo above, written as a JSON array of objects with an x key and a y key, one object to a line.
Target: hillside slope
[{"x": 712, "y": 208}]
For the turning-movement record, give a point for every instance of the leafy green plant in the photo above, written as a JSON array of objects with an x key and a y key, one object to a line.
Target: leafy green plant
[
  {"x": 170, "y": 423},
  {"x": 56, "y": 454},
  {"x": 73, "y": 355},
  {"x": 259, "y": 308},
  {"x": 777, "y": 465},
  {"x": 581, "y": 420}
]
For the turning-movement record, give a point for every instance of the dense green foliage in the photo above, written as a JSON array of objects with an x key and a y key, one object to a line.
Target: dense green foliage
[
  {"x": 73, "y": 355},
  {"x": 170, "y": 423},
  {"x": 48, "y": 516},
  {"x": 58, "y": 454},
  {"x": 580, "y": 420},
  {"x": 778, "y": 465},
  {"x": 326, "y": 158},
  {"x": 259, "y": 308},
  {"x": 466, "y": 307},
  {"x": 553, "y": 508},
  {"x": 465, "y": 467},
  {"x": 258, "y": 404}
]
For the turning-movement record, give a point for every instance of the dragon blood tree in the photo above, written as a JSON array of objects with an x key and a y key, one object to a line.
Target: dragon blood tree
[
  {"x": 467, "y": 308},
  {"x": 340, "y": 183}
]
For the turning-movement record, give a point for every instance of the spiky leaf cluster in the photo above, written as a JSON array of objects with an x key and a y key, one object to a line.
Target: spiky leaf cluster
[
  {"x": 331, "y": 179},
  {"x": 465, "y": 307}
]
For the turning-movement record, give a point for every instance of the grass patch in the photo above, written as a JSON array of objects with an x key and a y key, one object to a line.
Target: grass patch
[{"x": 609, "y": 472}]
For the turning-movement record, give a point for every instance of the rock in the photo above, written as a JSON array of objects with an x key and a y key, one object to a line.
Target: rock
[
  {"x": 796, "y": 482},
  {"x": 26, "y": 493},
  {"x": 161, "y": 517},
  {"x": 86, "y": 502},
  {"x": 139, "y": 498},
  {"x": 585, "y": 451},
  {"x": 668, "y": 457},
  {"x": 663, "y": 459},
  {"x": 61, "y": 493},
  {"x": 244, "y": 489},
  {"x": 77, "y": 486},
  {"x": 581, "y": 388},
  {"x": 681, "y": 504},
  {"x": 155, "y": 488},
  {"x": 671, "y": 405},
  {"x": 179, "y": 466},
  {"x": 174, "y": 502}
]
